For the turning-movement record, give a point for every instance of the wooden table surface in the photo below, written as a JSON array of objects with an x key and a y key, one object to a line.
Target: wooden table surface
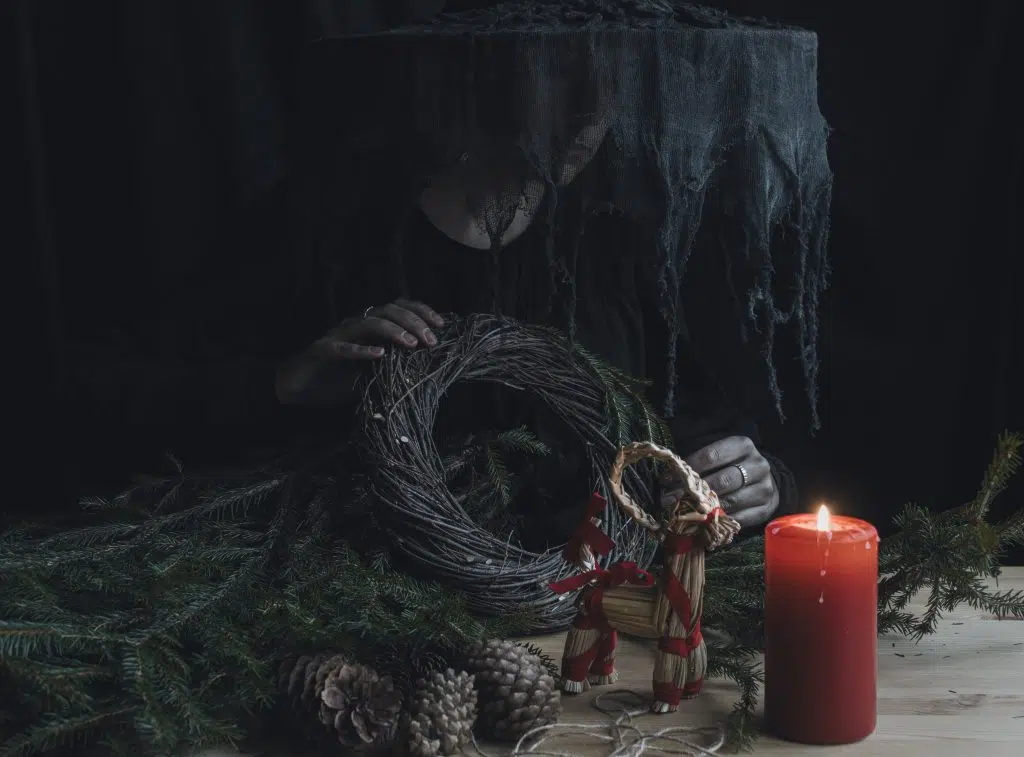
[{"x": 958, "y": 693}]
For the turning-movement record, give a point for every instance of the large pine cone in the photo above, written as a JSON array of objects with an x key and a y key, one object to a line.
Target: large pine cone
[
  {"x": 361, "y": 708},
  {"x": 516, "y": 691},
  {"x": 442, "y": 714}
]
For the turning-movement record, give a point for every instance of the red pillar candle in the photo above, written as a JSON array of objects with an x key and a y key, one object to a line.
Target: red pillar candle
[{"x": 821, "y": 626}]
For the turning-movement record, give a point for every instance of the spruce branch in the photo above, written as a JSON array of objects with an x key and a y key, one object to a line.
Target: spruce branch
[
  {"x": 1004, "y": 465},
  {"x": 54, "y": 731},
  {"x": 182, "y": 627},
  {"x": 522, "y": 441},
  {"x": 155, "y": 627},
  {"x": 741, "y": 665},
  {"x": 23, "y": 640},
  {"x": 629, "y": 414},
  {"x": 949, "y": 554}
]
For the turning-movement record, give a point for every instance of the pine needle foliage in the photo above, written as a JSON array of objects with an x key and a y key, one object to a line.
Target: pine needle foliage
[
  {"x": 627, "y": 411},
  {"x": 484, "y": 473},
  {"x": 950, "y": 555},
  {"x": 155, "y": 629}
]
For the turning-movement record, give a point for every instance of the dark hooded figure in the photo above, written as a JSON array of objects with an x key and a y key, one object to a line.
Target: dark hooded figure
[{"x": 564, "y": 165}]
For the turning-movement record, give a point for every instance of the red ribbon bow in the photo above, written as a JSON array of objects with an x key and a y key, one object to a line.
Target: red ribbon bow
[
  {"x": 618, "y": 574},
  {"x": 588, "y": 533}
]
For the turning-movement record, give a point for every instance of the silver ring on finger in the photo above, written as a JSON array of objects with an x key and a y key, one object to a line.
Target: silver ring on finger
[
  {"x": 743, "y": 475},
  {"x": 366, "y": 313}
]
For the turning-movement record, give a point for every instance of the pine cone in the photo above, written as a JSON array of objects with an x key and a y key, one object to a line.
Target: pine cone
[
  {"x": 442, "y": 714},
  {"x": 360, "y": 707},
  {"x": 301, "y": 679},
  {"x": 516, "y": 691}
]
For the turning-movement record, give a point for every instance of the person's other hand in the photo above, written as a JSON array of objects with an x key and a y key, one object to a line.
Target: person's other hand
[
  {"x": 738, "y": 473},
  {"x": 324, "y": 371}
]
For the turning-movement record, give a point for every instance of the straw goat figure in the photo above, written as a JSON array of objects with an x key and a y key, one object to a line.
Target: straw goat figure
[{"x": 624, "y": 598}]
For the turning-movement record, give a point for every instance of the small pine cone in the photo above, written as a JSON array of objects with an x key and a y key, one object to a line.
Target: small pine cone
[
  {"x": 515, "y": 689},
  {"x": 361, "y": 707},
  {"x": 442, "y": 714},
  {"x": 301, "y": 679}
]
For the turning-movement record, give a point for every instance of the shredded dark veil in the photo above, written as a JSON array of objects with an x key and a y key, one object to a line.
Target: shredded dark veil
[{"x": 679, "y": 114}]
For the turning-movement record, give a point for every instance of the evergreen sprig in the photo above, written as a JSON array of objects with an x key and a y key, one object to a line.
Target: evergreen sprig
[
  {"x": 484, "y": 472},
  {"x": 160, "y": 634},
  {"x": 628, "y": 412},
  {"x": 155, "y": 628},
  {"x": 950, "y": 555}
]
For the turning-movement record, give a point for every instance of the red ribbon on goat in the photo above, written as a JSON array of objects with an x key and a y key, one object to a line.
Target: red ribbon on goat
[
  {"x": 577, "y": 668},
  {"x": 677, "y": 596},
  {"x": 714, "y": 514},
  {"x": 618, "y": 574},
  {"x": 666, "y": 691},
  {"x": 588, "y": 533}
]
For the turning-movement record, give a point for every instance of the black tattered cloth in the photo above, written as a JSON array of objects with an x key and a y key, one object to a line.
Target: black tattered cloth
[{"x": 708, "y": 138}]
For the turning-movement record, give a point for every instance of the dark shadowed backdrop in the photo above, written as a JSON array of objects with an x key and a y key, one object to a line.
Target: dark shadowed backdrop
[{"x": 149, "y": 146}]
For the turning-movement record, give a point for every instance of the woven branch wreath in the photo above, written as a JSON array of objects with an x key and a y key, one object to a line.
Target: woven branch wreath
[{"x": 429, "y": 527}]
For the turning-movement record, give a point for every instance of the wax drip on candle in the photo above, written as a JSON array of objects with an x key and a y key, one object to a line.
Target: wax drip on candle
[
  {"x": 823, "y": 571},
  {"x": 824, "y": 526}
]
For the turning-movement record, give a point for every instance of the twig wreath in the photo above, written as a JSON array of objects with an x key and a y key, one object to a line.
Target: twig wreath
[{"x": 428, "y": 525}]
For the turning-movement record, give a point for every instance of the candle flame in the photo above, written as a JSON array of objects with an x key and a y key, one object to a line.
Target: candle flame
[{"x": 824, "y": 519}]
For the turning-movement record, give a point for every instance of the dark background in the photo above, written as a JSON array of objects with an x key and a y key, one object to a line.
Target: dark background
[{"x": 149, "y": 148}]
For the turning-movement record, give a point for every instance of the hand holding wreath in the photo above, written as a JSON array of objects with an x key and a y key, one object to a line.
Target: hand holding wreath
[{"x": 325, "y": 372}]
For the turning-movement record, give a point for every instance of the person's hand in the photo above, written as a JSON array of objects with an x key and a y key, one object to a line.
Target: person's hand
[
  {"x": 739, "y": 475},
  {"x": 323, "y": 372},
  {"x": 402, "y": 323}
]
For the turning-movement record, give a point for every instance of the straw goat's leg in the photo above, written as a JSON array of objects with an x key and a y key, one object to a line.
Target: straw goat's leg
[
  {"x": 602, "y": 670},
  {"x": 682, "y": 658},
  {"x": 582, "y": 646}
]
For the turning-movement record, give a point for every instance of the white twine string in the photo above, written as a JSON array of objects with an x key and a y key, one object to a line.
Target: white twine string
[{"x": 624, "y": 737}]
